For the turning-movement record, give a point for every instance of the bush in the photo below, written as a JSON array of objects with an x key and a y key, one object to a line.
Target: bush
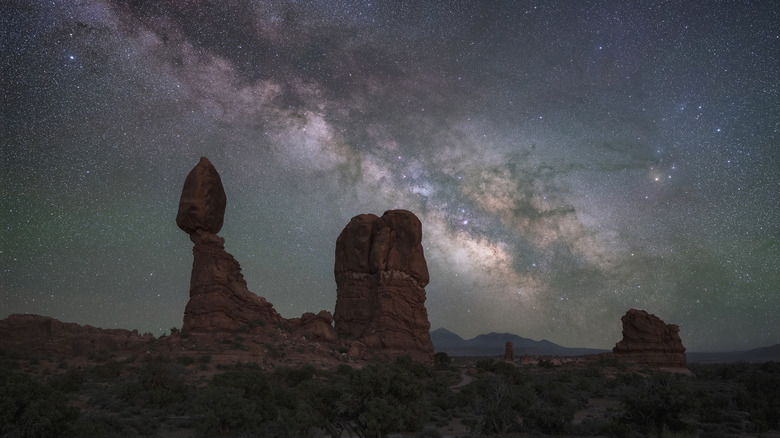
[
  {"x": 108, "y": 370},
  {"x": 497, "y": 403},
  {"x": 225, "y": 410},
  {"x": 253, "y": 386},
  {"x": 657, "y": 403},
  {"x": 185, "y": 360},
  {"x": 442, "y": 361},
  {"x": 159, "y": 385},
  {"x": 70, "y": 381},
  {"x": 383, "y": 398},
  {"x": 30, "y": 408}
]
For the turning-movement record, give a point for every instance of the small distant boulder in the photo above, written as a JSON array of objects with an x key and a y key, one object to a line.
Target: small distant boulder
[
  {"x": 647, "y": 340},
  {"x": 509, "y": 352}
]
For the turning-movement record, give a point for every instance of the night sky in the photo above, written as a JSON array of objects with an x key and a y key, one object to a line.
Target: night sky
[{"x": 568, "y": 160}]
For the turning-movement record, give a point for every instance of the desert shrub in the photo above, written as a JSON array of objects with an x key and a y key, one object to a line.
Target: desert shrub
[
  {"x": 70, "y": 381},
  {"x": 442, "y": 361},
  {"x": 657, "y": 403},
  {"x": 381, "y": 398},
  {"x": 109, "y": 369},
  {"x": 100, "y": 355},
  {"x": 344, "y": 370},
  {"x": 185, "y": 360},
  {"x": 417, "y": 369},
  {"x": 158, "y": 384},
  {"x": 225, "y": 410},
  {"x": 29, "y": 408},
  {"x": 295, "y": 376},
  {"x": 552, "y": 411},
  {"x": 612, "y": 361},
  {"x": 592, "y": 372},
  {"x": 762, "y": 396},
  {"x": 320, "y": 405},
  {"x": 97, "y": 426},
  {"x": 497, "y": 402},
  {"x": 486, "y": 365},
  {"x": 438, "y": 389},
  {"x": 254, "y": 387}
]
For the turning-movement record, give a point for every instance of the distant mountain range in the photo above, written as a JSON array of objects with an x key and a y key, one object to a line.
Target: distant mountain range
[
  {"x": 763, "y": 354},
  {"x": 493, "y": 344}
]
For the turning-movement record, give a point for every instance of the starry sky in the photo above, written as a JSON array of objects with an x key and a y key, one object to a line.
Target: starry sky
[{"x": 568, "y": 160}]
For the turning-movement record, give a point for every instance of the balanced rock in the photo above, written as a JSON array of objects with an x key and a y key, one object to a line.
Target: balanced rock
[
  {"x": 381, "y": 276},
  {"x": 647, "y": 340},
  {"x": 219, "y": 297}
]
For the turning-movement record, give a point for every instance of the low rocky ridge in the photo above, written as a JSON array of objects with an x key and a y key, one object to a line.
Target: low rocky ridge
[{"x": 44, "y": 335}]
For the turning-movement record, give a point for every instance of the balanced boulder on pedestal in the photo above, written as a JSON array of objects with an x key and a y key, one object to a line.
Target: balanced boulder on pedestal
[{"x": 219, "y": 297}]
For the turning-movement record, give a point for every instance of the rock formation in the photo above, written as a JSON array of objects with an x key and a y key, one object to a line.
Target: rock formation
[
  {"x": 42, "y": 334},
  {"x": 509, "y": 352},
  {"x": 381, "y": 276},
  {"x": 219, "y": 298},
  {"x": 647, "y": 340},
  {"x": 317, "y": 327}
]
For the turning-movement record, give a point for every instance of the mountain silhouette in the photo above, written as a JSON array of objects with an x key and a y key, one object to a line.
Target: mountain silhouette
[{"x": 492, "y": 344}]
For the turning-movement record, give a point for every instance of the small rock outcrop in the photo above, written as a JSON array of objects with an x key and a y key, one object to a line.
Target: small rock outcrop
[
  {"x": 647, "y": 340},
  {"x": 219, "y": 297},
  {"x": 381, "y": 276},
  {"x": 42, "y": 334},
  {"x": 509, "y": 352},
  {"x": 317, "y": 327}
]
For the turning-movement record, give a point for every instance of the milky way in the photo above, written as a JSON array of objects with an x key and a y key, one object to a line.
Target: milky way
[{"x": 568, "y": 160}]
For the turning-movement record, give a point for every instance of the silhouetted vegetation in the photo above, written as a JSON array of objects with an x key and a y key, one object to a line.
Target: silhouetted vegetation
[{"x": 156, "y": 395}]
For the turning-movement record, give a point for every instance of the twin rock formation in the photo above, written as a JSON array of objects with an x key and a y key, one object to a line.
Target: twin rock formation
[{"x": 380, "y": 272}]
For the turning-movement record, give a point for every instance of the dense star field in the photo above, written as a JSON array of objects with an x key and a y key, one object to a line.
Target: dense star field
[{"x": 568, "y": 160}]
